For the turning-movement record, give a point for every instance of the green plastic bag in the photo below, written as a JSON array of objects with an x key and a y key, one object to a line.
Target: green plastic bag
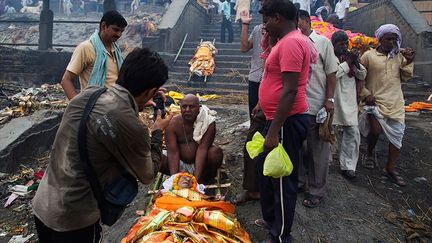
[
  {"x": 256, "y": 145},
  {"x": 277, "y": 163}
]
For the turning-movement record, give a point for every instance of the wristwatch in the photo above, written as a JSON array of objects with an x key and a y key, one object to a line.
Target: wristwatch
[{"x": 331, "y": 100}]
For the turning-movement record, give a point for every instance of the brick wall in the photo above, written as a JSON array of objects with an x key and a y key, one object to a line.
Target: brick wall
[{"x": 32, "y": 66}]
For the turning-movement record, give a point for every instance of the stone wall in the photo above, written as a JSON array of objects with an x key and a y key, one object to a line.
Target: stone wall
[
  {"x": 416, "y": 32},
  {"x": 182, "y": 16},
  {"x": 32, "y": 66}
]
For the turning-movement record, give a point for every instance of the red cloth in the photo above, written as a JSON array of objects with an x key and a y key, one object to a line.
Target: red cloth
[
  {"x": 292, "y": 53},
  {"x": 39, "y": 174}
]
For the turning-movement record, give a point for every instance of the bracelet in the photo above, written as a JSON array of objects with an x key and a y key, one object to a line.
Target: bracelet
[{"x": 246, "y": 23}]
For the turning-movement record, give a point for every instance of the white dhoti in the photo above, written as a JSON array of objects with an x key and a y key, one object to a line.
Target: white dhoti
[
  {"x": 393, "y": 130},
  {"x": 183, "y": 167}
]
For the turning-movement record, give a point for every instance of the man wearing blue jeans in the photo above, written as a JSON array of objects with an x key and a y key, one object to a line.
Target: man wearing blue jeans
[{"x": 226, "y": 21}]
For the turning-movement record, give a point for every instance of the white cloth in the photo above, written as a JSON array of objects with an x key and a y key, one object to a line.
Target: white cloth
[
  {"x": 183, "y": 167},
  {"x": 10, "y": 9},
  {"x": 202, "y": 122},
  {"x": 326, "y": 64},
  {"x": 321, "y": 116},
  {"x": 394, "y": 130},
  {"x": 304, "y": 4},
  {"x": 168, "y": 184},
  {"x": 319, "y": 11},
  {"x": 346, "y": 108},
  {"x": 349, "y": 148},
  {"x": 340, "y": 8}
]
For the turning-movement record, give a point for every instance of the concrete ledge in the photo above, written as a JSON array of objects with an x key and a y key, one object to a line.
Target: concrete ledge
[
  {"x": 32, "y": 66},
  {"x": 182, "y": 16},
  {"x": 27, "y": 136}
]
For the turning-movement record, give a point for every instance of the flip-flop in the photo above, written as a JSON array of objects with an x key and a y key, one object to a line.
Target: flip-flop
[
  {"x": 369, "y": 163},
  {"x": 242, "y": 198},
  {"x": 261, "y": 223},
  {"x": 395, "y": 177},
  {"x": 312, "y": 202}
]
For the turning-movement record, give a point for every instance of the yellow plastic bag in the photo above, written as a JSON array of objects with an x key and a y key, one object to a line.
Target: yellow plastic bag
[
  {"x": 255, "y": 146},
  {"x": 277, "y": 163}
]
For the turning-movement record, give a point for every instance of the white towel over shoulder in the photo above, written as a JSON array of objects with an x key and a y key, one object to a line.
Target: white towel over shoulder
[{"x": 202, "y": 122}]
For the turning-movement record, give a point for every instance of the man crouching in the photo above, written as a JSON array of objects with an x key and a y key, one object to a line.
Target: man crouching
[{"x": 189, "y": 140}]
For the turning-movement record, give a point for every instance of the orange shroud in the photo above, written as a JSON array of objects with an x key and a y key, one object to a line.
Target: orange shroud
[
  {"x": 172, "y": 203},
  {"x": 417, "y": 106}
]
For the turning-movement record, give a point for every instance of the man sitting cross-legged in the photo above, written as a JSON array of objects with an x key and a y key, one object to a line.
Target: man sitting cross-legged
[{"x": 189, "y": 140}]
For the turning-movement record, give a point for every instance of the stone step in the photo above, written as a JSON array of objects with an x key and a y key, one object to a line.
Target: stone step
[
  {"x": 221, "y": 51},
  {"x": 218, "y": 39},
  {"x": 222, "y": 64},
  {"x": 221, "y": 58},
  {"x": 219, "y": 45},
  {"x": 210, "y": 85},
  {"x": 217, "y": 30},
  {"x": 228, "y": 77},
  {"x": 183, "y": 88},
  {"x": 415, "y": 85},
  {"x": 212, "y": 29},
  {"x": 218, "y": 70}
]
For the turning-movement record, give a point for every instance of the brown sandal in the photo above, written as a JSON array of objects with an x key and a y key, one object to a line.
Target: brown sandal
[
  {"x": 312, "y": 202},
  {"x": 370, "y": 163},
  {"x": 395, "y": 177}
]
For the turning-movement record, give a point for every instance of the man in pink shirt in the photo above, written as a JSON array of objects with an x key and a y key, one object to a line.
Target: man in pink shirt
[{"x": 282, "y": 98}]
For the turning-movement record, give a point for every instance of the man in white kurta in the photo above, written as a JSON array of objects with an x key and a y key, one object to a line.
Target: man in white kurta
[{"x": 346, "y": 109}]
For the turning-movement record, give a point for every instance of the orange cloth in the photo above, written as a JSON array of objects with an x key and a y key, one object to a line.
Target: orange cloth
[
  {"x": 356, "y": 40},
  {"x": 417, "y": 106},
  {"x": 172, "y": 203}
]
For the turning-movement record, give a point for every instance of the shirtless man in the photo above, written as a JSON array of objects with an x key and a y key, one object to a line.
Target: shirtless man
[{"x": 181, "y": 146}]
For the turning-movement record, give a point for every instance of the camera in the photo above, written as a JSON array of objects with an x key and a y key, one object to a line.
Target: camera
[{"x": 160, "y": 105}]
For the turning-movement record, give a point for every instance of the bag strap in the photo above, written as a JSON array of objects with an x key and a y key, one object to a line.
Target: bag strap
[{"x": 82, "y": 147}]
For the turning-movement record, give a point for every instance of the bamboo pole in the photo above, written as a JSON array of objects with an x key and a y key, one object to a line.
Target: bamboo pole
[{"x": 156, "y": 186}]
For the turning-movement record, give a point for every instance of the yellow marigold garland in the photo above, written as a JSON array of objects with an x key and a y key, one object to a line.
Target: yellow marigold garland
[{"x": 176, "y": 179}]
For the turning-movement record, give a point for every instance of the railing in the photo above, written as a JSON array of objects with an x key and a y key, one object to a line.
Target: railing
[{"x": 37, "y": 21}]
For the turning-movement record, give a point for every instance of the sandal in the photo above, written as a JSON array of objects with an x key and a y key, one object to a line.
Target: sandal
[
  {"x": 243, "y": 197},
  {"x": 369, "y": 162},
  {"x": 312, "y": 202},
  {"x": 393, "y": 175},
  {"x": 261, "y": 223}
]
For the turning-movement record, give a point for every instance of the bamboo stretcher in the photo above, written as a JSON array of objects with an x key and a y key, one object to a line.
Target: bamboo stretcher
[
  {"x": 205, "y": 76},
  {"x": 161, "y": 177}
]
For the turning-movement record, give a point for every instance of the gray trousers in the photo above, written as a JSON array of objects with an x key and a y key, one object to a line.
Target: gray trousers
[
  {"x": 349, "y": 147},
  {"x": 313, "y": 168}
]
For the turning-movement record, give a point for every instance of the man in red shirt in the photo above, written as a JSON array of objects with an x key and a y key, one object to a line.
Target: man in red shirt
[{"x": 282, "y": 98}]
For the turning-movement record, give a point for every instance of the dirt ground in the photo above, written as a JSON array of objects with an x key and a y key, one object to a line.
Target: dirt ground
[{"x": 359, "y": 211}]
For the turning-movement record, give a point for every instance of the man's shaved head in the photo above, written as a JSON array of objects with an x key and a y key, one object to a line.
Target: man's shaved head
[
  {"x": 190, "y": 98},
  {"x": 189, "y": 107}
]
